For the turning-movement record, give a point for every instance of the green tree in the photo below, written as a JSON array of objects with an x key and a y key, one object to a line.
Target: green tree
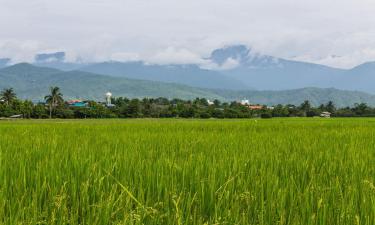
[
  {"x": 305, "y": 106},
  {"x": 361, "y": 109},
  {"x": 39, "y": 111},
  {"x": 54, "y": 99},
  {"x": 8, "y": 96},
  {"x": 330, "y": 107},
  {"x": 133, "y": 109},
  {"x": 27, "y": 108},
  {"x": 217, "y": 103},
  {"x": 280, "y": 111}
]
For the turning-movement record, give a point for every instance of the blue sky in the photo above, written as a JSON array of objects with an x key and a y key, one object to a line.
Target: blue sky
[{"x": 331, "y": 32}]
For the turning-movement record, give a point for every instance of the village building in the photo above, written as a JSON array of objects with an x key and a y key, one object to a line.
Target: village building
[
  {"x": 77, "y": 103},
  {"x": 209, "y": 102},
  {"x": 245, "y": 102},
  {"x": 255, "y": 107},
  {"x": 325, "y": 114}
]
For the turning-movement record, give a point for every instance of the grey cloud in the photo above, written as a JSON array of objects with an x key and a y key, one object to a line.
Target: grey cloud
[{"x": 141, "y": 29}]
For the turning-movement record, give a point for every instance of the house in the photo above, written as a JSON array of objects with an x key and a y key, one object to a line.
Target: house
[
  {"x": 210, "y": 102},
  {"x": 245, "y": 102},
  {"x": 255, "y": 107},
  {"x": 77, "y": 103},
  {"x": 325, "y": 114},
  {"x": 16, "y": 116}
]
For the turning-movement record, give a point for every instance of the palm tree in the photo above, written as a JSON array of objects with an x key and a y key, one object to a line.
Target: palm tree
[
  {"x": 54, "y": 99},
  {"x": 8, "y": 95}
]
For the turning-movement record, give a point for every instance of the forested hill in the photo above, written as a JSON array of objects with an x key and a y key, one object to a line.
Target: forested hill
[{"x": 32, "y": 82}]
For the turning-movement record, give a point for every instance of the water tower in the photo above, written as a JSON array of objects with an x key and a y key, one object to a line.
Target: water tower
[{"x": 108, "y": 97}]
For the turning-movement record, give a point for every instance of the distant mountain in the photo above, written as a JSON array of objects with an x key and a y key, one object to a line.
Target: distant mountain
[
  {"x": 271, "y": 73},
  {"x": 32, "y": 82},
  {"x": 361, "y": 78},
  {"x": 4, "y": 62},
  {"x": 64, "y": 66},
  {"x": 191, "y": 75},
  {"x": 230, "y": 68},
  {"x": 234, "y": 68}
]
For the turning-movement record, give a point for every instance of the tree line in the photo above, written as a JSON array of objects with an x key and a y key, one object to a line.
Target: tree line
[{"x": 56, "y": 107}]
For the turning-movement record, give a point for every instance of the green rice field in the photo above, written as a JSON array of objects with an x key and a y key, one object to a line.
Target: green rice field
[{"x": 277, "y": 171}]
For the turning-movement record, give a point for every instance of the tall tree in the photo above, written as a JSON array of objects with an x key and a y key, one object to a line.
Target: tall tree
[
  {"x": 27, "y": 108},
  {"x": 54, "y": 99},
  {"x": 330, "y": 107},
  {"x": 8, "y": 96},
  {"x": 305, "y": 106}
]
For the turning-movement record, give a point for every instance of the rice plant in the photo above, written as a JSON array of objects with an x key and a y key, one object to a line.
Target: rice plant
[{"x": 279, "y": 171}]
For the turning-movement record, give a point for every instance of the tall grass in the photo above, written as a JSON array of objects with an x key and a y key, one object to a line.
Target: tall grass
[{"x": 284, "y": 171}]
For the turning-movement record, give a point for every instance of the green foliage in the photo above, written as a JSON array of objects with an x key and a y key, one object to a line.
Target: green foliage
[
  {"x": 266, "y": 115},
  {"x": 54, "y": 99},
  {"x": 8, "y": 96},
  {"x": 165, "y": 108},
  {"x": 39, "y": 111}
]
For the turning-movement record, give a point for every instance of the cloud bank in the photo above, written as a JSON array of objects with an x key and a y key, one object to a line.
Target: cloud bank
[{"x": 336, "y": 33}]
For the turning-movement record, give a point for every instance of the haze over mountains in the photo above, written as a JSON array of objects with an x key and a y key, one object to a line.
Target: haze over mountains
[
  {"x": 231, "y": 73},
  {"x": 234, "y": 67},
  {"x": 32, "y": 82},
  {"x": 4, "y": 62}
]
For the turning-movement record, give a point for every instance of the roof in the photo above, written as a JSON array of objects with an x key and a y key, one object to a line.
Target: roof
[
  {"x": 78, "y": 104},
  {"x": 16, "y": 116},
  {"x": 74, "y": 101},
  {"x": 254, "y": 107}
]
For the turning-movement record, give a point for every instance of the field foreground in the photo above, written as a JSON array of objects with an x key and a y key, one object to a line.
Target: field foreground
[{"x": 279, "y": 171}]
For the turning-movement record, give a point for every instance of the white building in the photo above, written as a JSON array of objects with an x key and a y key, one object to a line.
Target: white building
[
  {"x": 108, "y": 99},
  {"x": 325, "y": 114},
  {"x": 245, "y": 102}
]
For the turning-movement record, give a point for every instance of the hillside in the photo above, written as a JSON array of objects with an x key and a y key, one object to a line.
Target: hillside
[
  {"x": 33, "y": 82},
  {"x": 233, "y": 68},
  {"x": 4, "y": 62},
  {"x": 265, "y": 72},
  {"x": 190, "y": 75}
]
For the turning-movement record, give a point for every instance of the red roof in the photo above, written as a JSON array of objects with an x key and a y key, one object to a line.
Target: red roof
[
  {"x": 74, "y": 101},
  {"x": 255, "y": 107}
]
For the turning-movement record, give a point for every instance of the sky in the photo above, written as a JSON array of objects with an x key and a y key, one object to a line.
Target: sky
[{"x": 339, "y": 33}]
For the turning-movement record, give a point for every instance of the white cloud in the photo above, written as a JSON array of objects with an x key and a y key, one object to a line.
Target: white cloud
[
  {"x": 125, "y": 57},
  {"x": 189, "y": 29},
  {"x": 172, "y": 55},
  {"x": 230, "y": 63},
  {"x": 19, "y": 51}
]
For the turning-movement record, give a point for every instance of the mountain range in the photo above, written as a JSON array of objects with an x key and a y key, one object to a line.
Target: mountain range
[
  {"x": 33, "y": 82},
  {"x": 231, "y": 73},
  {"x": 232, "y": 68},
  {"x": 4, "y": 62}
]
